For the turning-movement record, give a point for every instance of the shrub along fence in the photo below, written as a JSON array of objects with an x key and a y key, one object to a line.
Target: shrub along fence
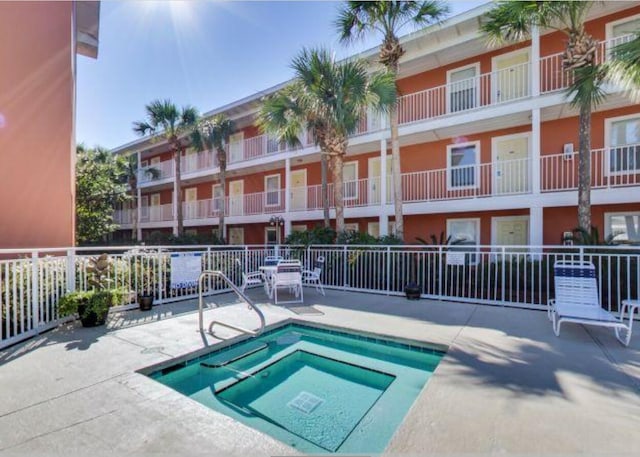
[{"x": 32, "y": 281}]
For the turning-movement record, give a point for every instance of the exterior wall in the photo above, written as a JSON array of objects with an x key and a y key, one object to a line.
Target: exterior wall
[{"x": 37, "y": 146}]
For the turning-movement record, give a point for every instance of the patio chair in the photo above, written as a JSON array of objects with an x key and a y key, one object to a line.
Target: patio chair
[
  {"x": 272, "y": 259},
  {"x": 577, "y": 300},
  {"x": 312, "y": 277},
  {"x": 249, "y": 278},
  {"x": 288, "y": 274}
]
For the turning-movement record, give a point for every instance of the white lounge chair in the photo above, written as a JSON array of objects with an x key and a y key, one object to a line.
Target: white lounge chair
[
  {"x": 249, "y": 278},
  {"x": 312, "y": 277},
  {"x": 577, "y": 300},
  {"x": 272, "y": 259},
  {"x": 288, "y": 274}
]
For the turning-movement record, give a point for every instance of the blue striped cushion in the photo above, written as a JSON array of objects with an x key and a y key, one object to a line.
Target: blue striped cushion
[{"x": 569, "y": 272}]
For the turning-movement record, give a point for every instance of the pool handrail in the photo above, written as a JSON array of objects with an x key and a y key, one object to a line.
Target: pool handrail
[{"x": 250, "y": 303}]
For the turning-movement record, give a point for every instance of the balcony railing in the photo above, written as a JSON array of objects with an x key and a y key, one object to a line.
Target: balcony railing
[
  {"x": 163, "y": 170},
  {"x": 199, "y": 161},
  {"x": 123, "y": 216},
  {"x": 157, "y": 213}
]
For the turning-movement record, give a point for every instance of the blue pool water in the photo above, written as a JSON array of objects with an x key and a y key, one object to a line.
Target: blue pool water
[{"x": 315, "y": 389}]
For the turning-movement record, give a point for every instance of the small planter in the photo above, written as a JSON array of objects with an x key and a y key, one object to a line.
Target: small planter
[
  {"x": 145, "y": 302},
  {"x": 412, "y": 291},
  {"x": 91, "y": 319}
]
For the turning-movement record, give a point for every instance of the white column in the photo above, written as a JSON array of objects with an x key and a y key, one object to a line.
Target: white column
[
  {"x": 175, "y": 199},
  {"x": 535, "y": 61},
  {"x": 383, "y": 219},
  {"x": 287, "y": 197},
  {"x": 139, "y": 199},
  {"x": 535, "y": 226},
  {"x": 535, "y": 152}
]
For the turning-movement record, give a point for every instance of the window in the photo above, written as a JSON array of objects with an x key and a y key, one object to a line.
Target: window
[
  {"x": 462, "y": 88},
  {"x": 350, "y": 179},
  {"x": 299, "y": 228},
  {"x": 462, "y": 161},
  {"x": 623, "y": 227},
  {"x": 218, "y": 198},
  {"x": 352, "y": 227},
  {"x": 622, "y": 28},
  {"x": 373, "y": 228},
  {"x": 144, "y": 163},
  {"x": 191, "y": 232},
  {"x": 624, "y": 144},
  {"x": 464, "y": 232},
  {"x": 272, "y": 188},
  {"x": 270, "y": 235}
]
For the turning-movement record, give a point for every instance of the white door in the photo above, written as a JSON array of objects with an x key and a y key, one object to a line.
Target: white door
[
  {"x": 235, "y": 147},
  {"x": 298, "y": 190},
  {"x": 272, "y": 191},
  {"x": 144, "y": 208},
  {"x": 350, "y": 180},
  {"x": 375, "y": 185},
  {"x": 155, "y": 213},
  {"x": 462, "y": 88},
  {"x": 511, "y": 231},
  {"x": 236, "y": 235},
  {"x": 510, "y": 79},
  {"x": 511, "y": 156},
  {"x": 191, "y": 203},
  {"x": 236, "y": 197},
  {"x": 217, "y": 200}
]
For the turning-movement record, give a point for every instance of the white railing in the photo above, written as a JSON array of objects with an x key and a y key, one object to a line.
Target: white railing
[
  {"x": 509, "y": 84},
  {"x": 610, "y": 167},
  {"x": 123, "y": 216},
  {"x": 156, "y": 171},
  {"x": 156, "y": 213},
  {"x": 198, "y": 161},
  {"x": 362, "y": 192},
  {"x": 32, "y": 281}
]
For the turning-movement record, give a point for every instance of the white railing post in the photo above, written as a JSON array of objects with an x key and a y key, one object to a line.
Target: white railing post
[
  {"x": 345, "y": 264},
  {"x": 535, "y": 61},
  {"x": 35, "y": 292},
  {"x": 503, "y": 273},
  {"x": 536, "y": 155},
  {"x": 159, "y": 276},
  {"x": 440, "y": 264},
  {"x": 388, "y": 269},
  {"x": 71, "y": 270},
  {"x": 383, "y": 219}
]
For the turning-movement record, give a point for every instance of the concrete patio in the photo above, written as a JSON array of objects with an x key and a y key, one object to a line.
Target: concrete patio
[{"x": 506, "y": 385}]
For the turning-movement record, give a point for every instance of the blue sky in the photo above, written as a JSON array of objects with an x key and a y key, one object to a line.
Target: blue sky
[{"x": 201, "y": 53}]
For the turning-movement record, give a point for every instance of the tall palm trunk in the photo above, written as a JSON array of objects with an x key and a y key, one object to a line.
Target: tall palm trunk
[
  {"x": 584, "y": 168},
  {"x": 338, "y": 190},
  {"x": 133, "y": 186},
  {"x": 393, "y": 67},
  {"x": 222, "y": 162},
  {"x": 179, "y": 215},
  {"x": 324, "y": 172}
]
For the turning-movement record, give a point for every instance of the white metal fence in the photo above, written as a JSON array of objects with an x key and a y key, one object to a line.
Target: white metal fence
[{"x": 32, "y": 281}]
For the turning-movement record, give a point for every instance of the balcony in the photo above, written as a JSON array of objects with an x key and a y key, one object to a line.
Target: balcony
[
  {"x": 157, "y": 213},
  {"x": 123, "y": 216},
  {"x": 163, "y": 170}
]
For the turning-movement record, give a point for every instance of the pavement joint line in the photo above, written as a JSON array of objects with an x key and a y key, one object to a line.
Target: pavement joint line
[
  {"x": 84, "y": 421},
  {"x": 57, "y": 397},
  {"x": 610, "y": 357},
  {"x": 137, "y": 345}
]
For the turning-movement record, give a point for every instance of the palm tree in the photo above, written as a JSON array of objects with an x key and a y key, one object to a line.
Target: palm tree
[
  {"x": 513, "y": 20},
  {"x": 328, "y": 99},
  {"x": 175, "y": 126},
  {"x": 213, "y": 134},
  {"x": 129, "y": 166},
  {"x": 388, "y": 17}
]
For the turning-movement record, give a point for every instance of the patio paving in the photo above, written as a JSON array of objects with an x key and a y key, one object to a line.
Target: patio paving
[{"x": 506, "y": 385}]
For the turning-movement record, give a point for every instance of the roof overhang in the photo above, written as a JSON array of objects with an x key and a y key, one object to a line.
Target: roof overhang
[{"x": 87, "y": 28}]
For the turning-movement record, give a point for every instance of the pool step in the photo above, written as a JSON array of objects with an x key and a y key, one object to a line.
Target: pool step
[{"x": 231, "y": 356}]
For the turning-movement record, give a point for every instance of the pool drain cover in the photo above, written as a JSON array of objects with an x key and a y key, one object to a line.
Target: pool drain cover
[{"x": 305, "y": 402}]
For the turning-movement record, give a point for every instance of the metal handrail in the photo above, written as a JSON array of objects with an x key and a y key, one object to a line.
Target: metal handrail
[{"x": 240, "y": 294}]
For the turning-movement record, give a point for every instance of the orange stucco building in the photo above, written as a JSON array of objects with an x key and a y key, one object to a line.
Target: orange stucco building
[
  {"x": 38, "y": 46},
  {"x": 488, "y": 145}
]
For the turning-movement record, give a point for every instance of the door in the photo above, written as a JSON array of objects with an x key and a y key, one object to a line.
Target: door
[
  {"x": 236, "y": 197},
  {"x": 144, "y": 208},
  {"x": 235, "y": 147},
  {"x": 190, "y": 162},
  {"x": 375, "y": 185},
  {"x": 236, "y": 235},
  {"x": 272, "y": 191},
  {"x": 298, "y": 190},
  {"x": 462, "y": 88},
  {"x": 511, "y": 159},
  {"x": 511, "y": 76},
  {"x": 191, "y": 203},
  {"x": 155, "y": 211},
  {"x": 511, "y": 231},
  {"x": 350, "y": 180},
  {"x": 218, "y": 199}
]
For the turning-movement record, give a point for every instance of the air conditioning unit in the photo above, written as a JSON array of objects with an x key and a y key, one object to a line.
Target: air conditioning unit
[{"x": 567, "y": 151}]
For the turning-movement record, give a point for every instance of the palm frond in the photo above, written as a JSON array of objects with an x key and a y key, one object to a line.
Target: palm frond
[
  {"x": 624, "y": 67},
  {"x": 587, "y": 86}
]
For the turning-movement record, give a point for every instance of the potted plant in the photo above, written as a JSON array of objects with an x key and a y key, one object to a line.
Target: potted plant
[{"x": 146, "y": 282}]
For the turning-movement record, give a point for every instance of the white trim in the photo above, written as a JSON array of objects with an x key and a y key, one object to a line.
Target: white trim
[
  {"x": 610, "y": 25},
  {"x": 352, "y": 227},
  {"x": 496, "y": 219},
  {"x": 355, "y": 162},
  {"x": 236, "y": 209},
  {"x": 267, "y": 191},
  {"x": 144, "y": 163},
  {"x": 494, "y": 156},
  {"x": 607, "y": 219},
  {"x": 475, "y": 220},
  {"x": 476, "y": 85},
  {"x": 268, "y": 229},
  {"x": 240, "y": 230},
  {"x": 303, "y": 189},
  {"x": 607, "y": 144},
  {"x": 494, "y": 61},
  {"x": 476, "y": 174}
]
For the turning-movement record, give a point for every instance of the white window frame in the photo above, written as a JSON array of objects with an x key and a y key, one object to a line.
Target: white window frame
[
  {"x": 473, "y": 253},
  {"x": 496, "y": 219},
  {"x": 448, "y": 92},
  {"x": 607, "y": 219},
  {"x": 266, "y": 191},
  {"x": 298, "y": 228},
  {"x": 352, "y": 226},
  {"x": 154, "y": 160},
  {"x": 144, "y": 163},
  {"x": 355, "y": 196},
  {"x": 475, "y": 220},
  {"x": 241, "y": 231},
  {"x": 273, "y": 230},
  {"x": 608, "y": 122},
  {"x": 610, "y": 25},
  {"x": 476, "y": 174}
]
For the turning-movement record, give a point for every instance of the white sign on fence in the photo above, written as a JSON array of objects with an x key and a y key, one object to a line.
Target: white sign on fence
[
  {"x": 455, "y": 258},
  {"x": 185, "y": 269}
]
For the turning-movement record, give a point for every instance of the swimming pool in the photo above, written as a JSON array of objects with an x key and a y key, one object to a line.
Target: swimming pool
[{"x": 316, "y": 389}]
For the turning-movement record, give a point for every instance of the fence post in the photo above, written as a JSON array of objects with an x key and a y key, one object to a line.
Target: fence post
[
  {"x": 581, "y": 254},
  {"x": 388, "y": 269},
  {"x": 71, "y": 270},
  {"x": 35, "y": 296},
  {"x": 503, "y": 275},
  {"x": 159, "y": 273},
  {"x": 440, "y": 279},
  {"x": 344, "y": 267}
]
